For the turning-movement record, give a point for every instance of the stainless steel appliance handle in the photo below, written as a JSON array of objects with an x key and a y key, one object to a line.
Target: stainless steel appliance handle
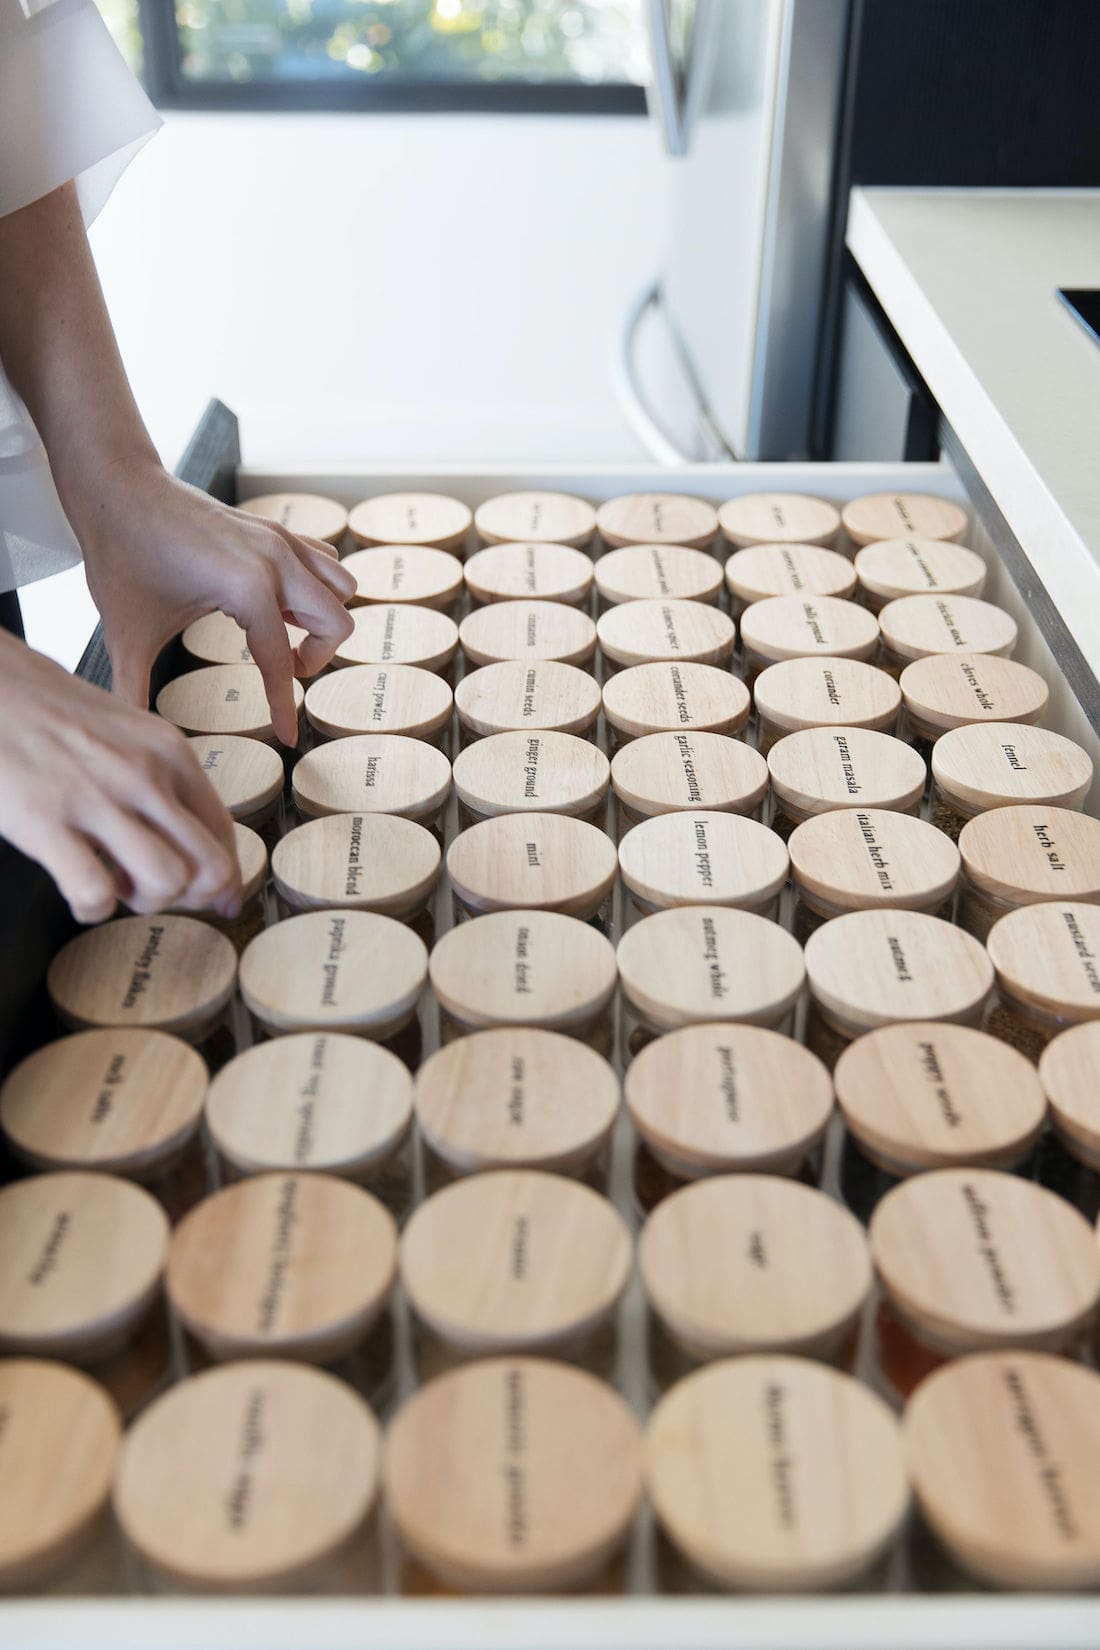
[
  {"x": 624, "y": 379},
  {"x": 663, "y": 91}
]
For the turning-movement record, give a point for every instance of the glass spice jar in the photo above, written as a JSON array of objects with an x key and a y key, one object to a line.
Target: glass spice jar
[
  {"x": 869, "y": 859},
  {"x": 542, "y": 517},
  {"x": 353, "y": 861},
  {"x": 541, "y": 697},
  {"x": 892, "y": 568},
  {"x": 877, "y": 516},
  {"x": 533, "y": 862},
  {"x": 763, "y": 570},
  {"x": 778, "y": 518},
  {"x": 703, "y": 858},
  {"x": 667, "y": 697},
  {"x": 382, "y": 773},
  {"x": 648, "y": 632},
  {"x": 527, "y": 631},
  {"x": 536, "y": 772},
  {"x": 665, "y": 773},
  {"x": 1023, "y": 854},
  {"x": 822, "y": 769},
  {"x": 991, "y": 765},
  {"x": 412, "y": 518},
  {"x": 413, "y": 573},
  {"x": 1047, "y": 961},
  {"x": 657, "y": 572},
  {"x": 248, "y": 777},
  {"x": 399, "y": 633},
  {"x": 953, "y": 690},
  {"x": 310, "y": 514},
  {"x": 530, "y": 572},
  {"x": 398, "y": 699},
  {"x": 222, "y": 699},
  {"x": 657, "y": 518},
  {"x": 820, "y": 693},
  {"x": 915, "y": 627},
  {"x": 804, "y": 627}
]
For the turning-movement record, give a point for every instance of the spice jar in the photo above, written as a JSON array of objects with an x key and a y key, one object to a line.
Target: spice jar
[
  {"x": 802, "y": 627},
  {"x": 530, "y": 572},
  {"x": 163, "y": 973},
  {"x": 534, "y": 772},
  {"x": 664, "y": 773},
  {"x": 821, "y": 769},
  {"x": 887, "y": 515},
  {"x": 310, "y": 514},
  {"x": 668, "y": 697},
  {"x": 952, "y": 690},
  {"x": 644, "y": 632},
  {"x": 1067, "y": 1071},
  {"x": 657, "y": 572},
  {"x": 216, "y": 639},
  {"x": 822, "y": 693},
  {"x": 869, "y": 859},
  {"x": 397, "y": 633},
  {"x": 1019, "y": 855},
  {"x": 538, "y": 517},
  {"x": 778, "y": 518},
  {"x": 253, "y": 865},
  {"x": 411, "y": 518},
  {"x": 543, "y": 696},
  {"x": 398, "y": 699},
  {"x": 533, "y": 862},
  {"x": 914, "y": 627},
  {"x": 765, "y": 570},
  {"x": 222, "y": 699},
  {"x": 364, "y": 862},
  {"x": 410, "y": 573},
  {"x": 382, "y": 773},
  {"x": 892, "y": 568},
  {"x": 1048, "y": 973},
  {"x": 248, "y": 778},
  {"x": 528, "y": 631},
  {"x": 335, "y": 971},
  {"x": 1000, "y": 765},
  {"x": 657, "y": 518},
  {"x": 703, "y": 858}
]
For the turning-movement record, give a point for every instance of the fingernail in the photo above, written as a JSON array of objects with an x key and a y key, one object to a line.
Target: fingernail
[{"x": 229, "y": 908}]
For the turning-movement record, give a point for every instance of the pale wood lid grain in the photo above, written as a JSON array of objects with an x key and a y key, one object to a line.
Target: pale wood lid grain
[
  {"x": 384, "y": 773},
  {"x": 58, "y": 1445},
  {"x": 327, "y": 1102},
  {"x": 83, "y": 1258},
  {"x": 246, "y": 774},
  {"x": 248, "y": 1476},
  {"x": 886, "y": 515},
  {"x": 541, "y": 695},
  {"x": 764, "y": 570},
  {"x": 799, "y": 627},
  {"x": 657, "y": 572},
  {"x": 776, "y": 1473},
  {"x": 639, "y": 633},
  {"x": 1048, "y": 957},
  {"x": 518, "y": 572},
  {"x": 310, "y": 514},
  {"x": 1030, "y": 852},
  {"x": 335, "y": 971},
  {"x": 1004, "y": 1452},
  {"x": 996, "y": 765},
  {"x": 169, "y": 973},
  {"x": 668, "y": 772},
  {"x": 703, "y": 858},
  {"x": 949, "y": 690},
  {"x": 657, "y": 518},
  {"x": 222, "y": 699},
  {"x": 525, "y": 772},
  {"x": 869, "y": 968},
  {"x": 728, "y": 1097},
  {"x": 817, "y": 769},
  {"x": 217, "y": 639},
  {"x": 523, "y": 968},
  {"x": 669, "y": 696},
  {"x": 915, "y": 626},
  {"x": 538, "y": 517},
  {"x": 819, "y": 693},
  {"x": 931, "y": 1096},
  {"x": 398, "y": 633},
  {"x": 913, "y": 566},
  {"x": 527, "y": 630},
  {"x": 510, "y": 1475},
  {"x": 779, "y": 518},
  {"x": 515, "y": 1260},
  {"x": 868, "y": 858},
  {"x": 976, "y": 1259},
  {"x": 533, "y": 862},
  {"x": 369, "y": 862},
  {"x": 411, "y": 518},
  {"x": 405, "y": 573},
  {"x": 299, "y": 1265},
  {"x": 401, "y": 699},
  {"x": 1068, "y": 1070},
  {"x": 120, "y": 1101},
  {"x": 706, "y": 962},
  {"x": 516, "y": 1098},
  {"x": 252, "y": 859}
]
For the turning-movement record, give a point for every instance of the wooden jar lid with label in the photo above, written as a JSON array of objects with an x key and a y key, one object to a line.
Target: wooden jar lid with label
[
  {"x": 83, "y": 1258},
  {"x": 870, "y": 968},
  {"x": 705, "y": 962},
  {"x": 382, "y": 773},
  {"x": 529, "y": 572},
  {"x": 1030, "y": 852},
  {"x": 310, "y": 514},
  {"x": 328, "y": 1102},
  {"x": 532, "y": 772},
  {"x": 411, "y": 518},
  {"x": 718, "y": 1098},
  {"x": 818, "y": 769},
  {"x": 252, "y": 859},
  {"x": 997, "y": 765},
  {"x": 664, "y": 773},
  {"x": 222, "y": 699},
  {"x": 776, "y": 1473},
  {"x": 1047, "y": 957},
  {"x": 58, "y": 1446},
  {"x": 248, "y": 1477},
  {"x": 533, "y": 968},
  {"x": 657, "y": 518},
  {"x": 411, "y": 573},
  {"x": 778, "y": 518},
  {"x": 1004, "y": 1453},
  {"x": 540, "y": 696},
  {"x": 950, "y": 690},
  {"x": 291, "y": 1265},
  {"x": 167, "y": 973},
  {"x": 398, "y": 633},
  {"x": 932, "y": 1096},
  {"x": 915, "y": 626},
  {"x": 513, "y": 1475},
  {"x": 800, "y": 627},
  {"x": 535, "y": 517},
  {"x": 890, "y": 568},
  {"x": 671, "y": 697},
  {"x": 658, "y": 572},
  {"x": 889, "y": 515},
  {"x": 974, "y": 1259},
  {"x": 365, "y": 862},
  {"x": 247, "y": 775},
  {"x": 124, "y": 1102},
  {"x": 335, "y": 971},
  {"x": 533, "y": 862},
  {"x": 216, "y": 639},
  {"x": 641, "y": 633},
  {"x": 765, "y": 570},
  {"x": 1067, "y": 1070},
  {"x": 515, "y": 1261},
  {"x": 702, "y": 858},
  {"x": 864, "y": 859},
  {"x": 401, "y": 699},
  {"x": 516, "y": 1098},
  {"x": 820, "y": 693},
  {"x": 527, "y": 631}
]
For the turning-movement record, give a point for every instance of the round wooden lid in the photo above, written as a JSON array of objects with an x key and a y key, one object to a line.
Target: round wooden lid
[
  {"x": 974, "y": 1258},
  {"x": 866, "y": 858},
  {"x": 776, "y": 1473},
  {"x": 1048, "y": 957},
  {"x": 534, "y": 572},
  {"x": 411, "y": 518},
  {"x": 399, "y": 633},
  {"x": 1004, "y": 1452},
  {"x": 668, "y": 697},
  {"x": 873, "y": 967},
  {"x": 521, "y": 772},
  {"x": 641, "y": 633},
  {"x": 516, "y": 1098},
  {"x": 536, "y": 517},
  {"x": 116, "y": 1100},
  {"x": 532, "y": 968},
  {"x": 702, "y": 858},
  {"x": 658, "y": 572},
  {"x": 527, "y": 630},
  {"x": 664, "y": 773},
  {"x": 821, "y": 693},
  {"x": 931, "y": 1096},
  {"x": 328, "y": 1102},
  {"x": 299, "y": 1265},
  {"x": 994, "y": 765},
  {"x": 890, "y": 568},
  {"x": 310, "y": 514},
  {"x": 515, "y": 1260},
  {"x": 1067, "y": 1071},
  {"x": 401, "y": 699},
  {"x": 58, "y": 1445},
  {"x": 778, "y": 518},
  {"x": 248, "y": 1476},
  {"x": 405, "y": 573},
  {"x": 817, "y": 769},
  {"x": 537, "y": 695},
  {"x": 247, "y": 775},
  {"x": 706, "y": 962},
  {"x": 222, "y": 699},
  {"x": 216, "y": 639},
  {"x": 382, "y": 773},
  {"x": 370, "y": 862},
  {"x": 252, "y": 859},
  {"x": 533, "y": 862},
  {"x": 165, "y": 972},
  {"x": 800, "y": 627},
  {"x": 788, "y": 570},
  {"x": 915, "y": 626},
  {"x": 1029, "y": 852},
  {"x": 949, "y": 690},
  {"x": 335, "y": 971},
  {"x": 725, "y": 1097},
  {"x": 83, "y": 1258},
  {"x": 657, "y": 518},
  {"x": 886, "y": 515},
  {"x": 513, "y": 1474}
]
